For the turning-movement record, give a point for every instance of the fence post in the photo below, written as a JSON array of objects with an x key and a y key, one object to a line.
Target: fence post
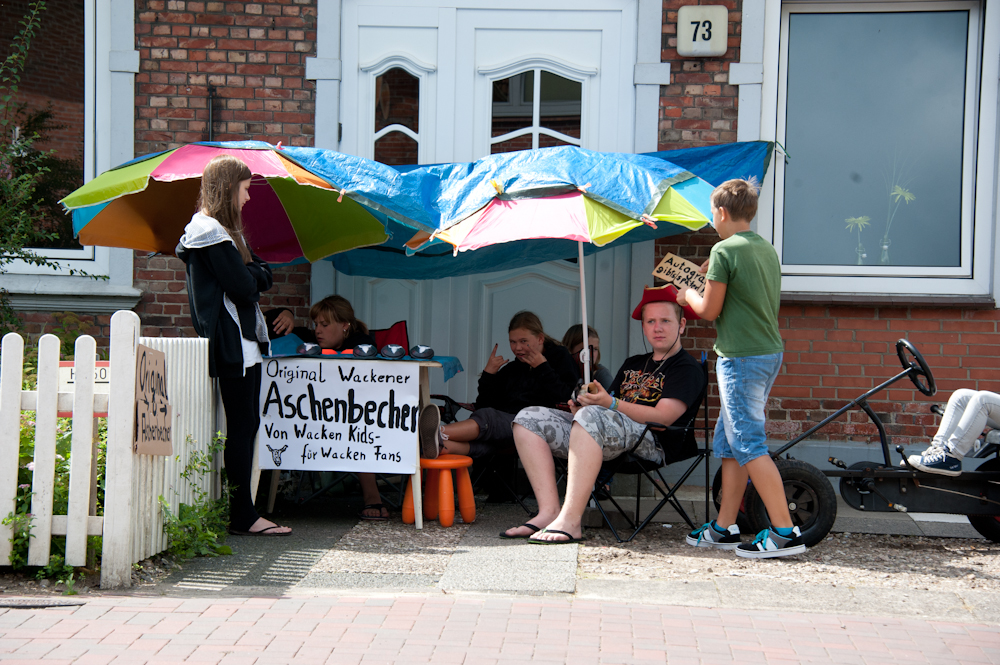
[
  {"x": 45, "y": 450},
  {"x": 116, "y": 559},
  {"x": 11, "y": 376},
  {"x": 80, "y": 453}
]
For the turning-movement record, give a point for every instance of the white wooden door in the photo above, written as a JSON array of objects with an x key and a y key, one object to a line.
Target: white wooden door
[{"x": 457, "y": 53}]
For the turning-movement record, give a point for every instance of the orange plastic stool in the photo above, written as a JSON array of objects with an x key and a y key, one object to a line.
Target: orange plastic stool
[{"x": 439, "y": 498}]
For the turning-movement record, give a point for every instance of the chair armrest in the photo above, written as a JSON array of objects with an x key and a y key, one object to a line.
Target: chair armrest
[{"x": 449, "y": 412}]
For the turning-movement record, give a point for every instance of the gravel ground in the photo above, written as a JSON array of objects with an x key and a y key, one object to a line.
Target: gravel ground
[
  {"x": 842, "y": 559},
  {"x": 393, "y": 548}
]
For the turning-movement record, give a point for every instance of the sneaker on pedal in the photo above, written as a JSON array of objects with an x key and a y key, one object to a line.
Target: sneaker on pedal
[
  {"x": 770, "y": 544},
  {"x": 936, "y": 460},
  {"x": 711, "y": 534},
  {"x": 430, "y": 432}
]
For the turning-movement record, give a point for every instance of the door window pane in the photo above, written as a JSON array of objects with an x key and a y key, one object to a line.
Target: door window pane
[
  {"x": 874, "y": 137},
  {"x": 397, "y": 100},
  {"x": 396, "y": 149},
  {"x": 519, "y": 124}
]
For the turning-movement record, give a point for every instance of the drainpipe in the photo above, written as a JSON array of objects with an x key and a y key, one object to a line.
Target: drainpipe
[{"x": 211, "y": 104}]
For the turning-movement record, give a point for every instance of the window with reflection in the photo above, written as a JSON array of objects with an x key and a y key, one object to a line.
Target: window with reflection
[
  {"x": 397, "y": 117},
  {"x": 876, "y": 132},
  {"x": 535, "y": 109}
]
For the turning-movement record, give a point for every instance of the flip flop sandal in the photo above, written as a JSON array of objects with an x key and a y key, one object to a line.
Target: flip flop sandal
[
  {"x": 536, "y": 541},
  {"x": 265, "y": 533},
  {"x": 373, "y": 506},
  {"x": 534, "y": 530}
]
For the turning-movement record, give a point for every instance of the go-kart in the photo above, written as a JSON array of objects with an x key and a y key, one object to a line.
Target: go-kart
[{"x": 880, "y": 486}]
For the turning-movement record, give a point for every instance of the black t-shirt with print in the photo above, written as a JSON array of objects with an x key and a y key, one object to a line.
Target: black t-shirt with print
[{"x": 642, "y": 380}]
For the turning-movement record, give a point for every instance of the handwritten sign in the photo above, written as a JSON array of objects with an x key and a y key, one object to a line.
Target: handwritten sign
[
  {"x": 153, "y": 414},
  {"x": 681, "y": 273},
  {"x": 333, "y": 415}
]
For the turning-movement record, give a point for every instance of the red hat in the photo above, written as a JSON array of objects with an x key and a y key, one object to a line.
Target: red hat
[{"x": 666, "y": 293}]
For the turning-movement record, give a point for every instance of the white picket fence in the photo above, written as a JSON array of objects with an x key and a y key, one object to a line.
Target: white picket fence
[{"x": 132, "y": 524}]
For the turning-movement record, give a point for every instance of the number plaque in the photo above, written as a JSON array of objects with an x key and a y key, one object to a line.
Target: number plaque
[{"x": 702, "y": 30}]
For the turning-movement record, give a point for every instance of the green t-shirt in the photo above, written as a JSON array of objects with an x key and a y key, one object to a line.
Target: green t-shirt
[{"x": 748, "y": 324}]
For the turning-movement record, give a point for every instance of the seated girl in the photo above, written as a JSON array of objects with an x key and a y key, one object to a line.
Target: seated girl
[
  {"x": 573, "y": 340},
  {"x": 542, "y": 373},
  {"x": 335, "y": 327}
]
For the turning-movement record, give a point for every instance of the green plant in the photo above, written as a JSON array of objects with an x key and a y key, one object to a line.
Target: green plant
[
  {"x": 69, "y": 327},
  {"x": 70, "y": 582},
  {"x": 896, "y": 182},
  {"x": 858, "y": 223},
  {"x": 198, "y": 528},
  {"x": 20, "y": 525},
  {"x": 55, "y": 568}
]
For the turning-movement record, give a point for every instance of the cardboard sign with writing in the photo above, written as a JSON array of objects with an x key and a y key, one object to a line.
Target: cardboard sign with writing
[
  {"x": 153, "y": 415},
  {"x": 681, "y": 273},
  {"x": 339, "y": 415}
]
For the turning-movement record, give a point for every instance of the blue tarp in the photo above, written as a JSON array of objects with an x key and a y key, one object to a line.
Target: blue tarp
[{"x": 624, "y": 182}]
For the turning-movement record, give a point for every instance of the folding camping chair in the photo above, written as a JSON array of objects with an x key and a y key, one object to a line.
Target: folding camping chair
[{"x": 686, "y": 448}]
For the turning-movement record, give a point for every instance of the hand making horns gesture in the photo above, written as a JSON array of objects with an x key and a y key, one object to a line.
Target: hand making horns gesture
[{"x": 495, "y": 362}]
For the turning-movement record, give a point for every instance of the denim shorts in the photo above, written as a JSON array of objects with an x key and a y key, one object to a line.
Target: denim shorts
[
  {"x": 744, "y": 384},
  {"x": 494, "y": 425}
]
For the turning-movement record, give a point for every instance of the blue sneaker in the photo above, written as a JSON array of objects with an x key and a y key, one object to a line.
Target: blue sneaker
[
  {"x": 936, "y": 460},
  {"x": 711, "y": 535},
  {"x": 769, "y": 544}
]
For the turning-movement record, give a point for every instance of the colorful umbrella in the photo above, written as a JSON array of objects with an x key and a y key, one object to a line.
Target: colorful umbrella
[
  {"x": 573, "y": 216},
  {"x": 292, "y": 213}
]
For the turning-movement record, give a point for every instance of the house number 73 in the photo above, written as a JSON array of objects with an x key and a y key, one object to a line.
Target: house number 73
[{"x": 706, "y": 30}]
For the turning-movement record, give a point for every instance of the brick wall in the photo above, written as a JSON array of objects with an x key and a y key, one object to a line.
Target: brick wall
[
  {"x": 253, "y": 53},
  {"x": 699, "y": 105},
  {"x": 164, "y": 310}
]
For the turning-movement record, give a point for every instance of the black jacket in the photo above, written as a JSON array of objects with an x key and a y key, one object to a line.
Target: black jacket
[
  {"x": 211, "y": 272},
  {"x": 518, "y": 385}
]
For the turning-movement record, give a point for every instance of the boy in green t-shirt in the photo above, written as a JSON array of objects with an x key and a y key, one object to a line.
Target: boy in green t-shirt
[{"x": 742, "y": 294}]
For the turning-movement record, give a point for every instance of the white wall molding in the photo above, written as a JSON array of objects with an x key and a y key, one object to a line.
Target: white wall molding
[
  {"x": 323, "y": 69},
  {"x": 652, "y": 73}
]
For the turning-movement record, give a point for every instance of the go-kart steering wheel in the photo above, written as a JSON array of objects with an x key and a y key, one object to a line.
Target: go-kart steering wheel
[{"x": 917, "y": 369}]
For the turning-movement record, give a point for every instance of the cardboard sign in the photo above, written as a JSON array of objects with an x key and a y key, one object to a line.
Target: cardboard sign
[
  {"x": 681, "y": 273},
  {"x": 153, "y": 415},
  {"x": 339, "y": 415}
]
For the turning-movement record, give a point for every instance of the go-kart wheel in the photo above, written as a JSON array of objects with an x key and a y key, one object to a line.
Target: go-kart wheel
[
  {"x": 919, "y": 369},
  {"x": 812, "y": 502},
  {"x": 741, "y": 517},
  {"x": 987, "y": 525}
]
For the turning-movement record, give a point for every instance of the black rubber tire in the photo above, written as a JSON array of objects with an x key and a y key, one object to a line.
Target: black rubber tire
[
  {"x": 741, "y": 517},
  {"x": 987, "y": 525},
  {"x": 812, "y": 501}
]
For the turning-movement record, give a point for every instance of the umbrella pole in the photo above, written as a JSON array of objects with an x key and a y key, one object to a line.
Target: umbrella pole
[{"x": 585, "y": 351}]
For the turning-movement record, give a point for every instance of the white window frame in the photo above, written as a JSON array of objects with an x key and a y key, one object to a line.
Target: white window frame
[
  {"x": 110, "y": 64},
  {"x": 974, "y": 277}
]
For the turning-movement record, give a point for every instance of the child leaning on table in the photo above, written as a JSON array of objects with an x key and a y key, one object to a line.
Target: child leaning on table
[{"x": 742, "y": 294}]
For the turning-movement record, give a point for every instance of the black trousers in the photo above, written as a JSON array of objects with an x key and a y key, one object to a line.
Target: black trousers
[{"x": 241, "y": 400}]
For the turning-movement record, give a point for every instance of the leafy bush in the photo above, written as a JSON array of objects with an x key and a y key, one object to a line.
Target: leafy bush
[{"x": 198, "y": 528}]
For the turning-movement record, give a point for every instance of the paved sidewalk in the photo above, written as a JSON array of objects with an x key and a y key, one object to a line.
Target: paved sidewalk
[{"x": 375, "y": 629}]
